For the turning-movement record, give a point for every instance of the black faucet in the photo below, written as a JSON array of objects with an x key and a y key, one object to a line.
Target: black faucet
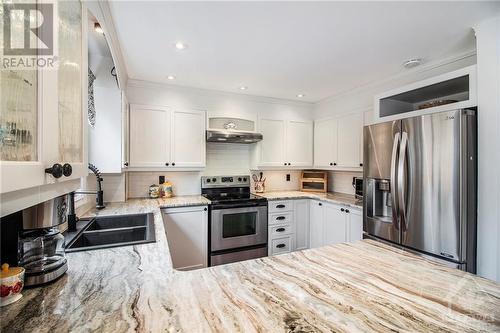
[{"x": 72, "y": 218}]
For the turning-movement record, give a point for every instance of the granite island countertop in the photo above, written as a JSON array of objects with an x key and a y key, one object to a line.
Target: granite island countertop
[
  {"x": 334, "y": 197},
  {"x": 364, "y": 286}
]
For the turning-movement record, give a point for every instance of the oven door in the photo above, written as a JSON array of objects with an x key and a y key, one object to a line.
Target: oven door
[{"x": 233, "y": 228}]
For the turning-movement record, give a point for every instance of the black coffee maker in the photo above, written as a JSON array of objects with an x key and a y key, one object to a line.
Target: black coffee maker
[{"x": 31, "y": 239}]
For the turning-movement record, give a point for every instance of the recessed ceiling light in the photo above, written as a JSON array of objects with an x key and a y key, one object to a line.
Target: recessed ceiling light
[
  {"x": 97, "y": 28},
  {"x": 180, "y": 46},
  {"x": 171, "y": 77},
  {"x": 300, "y": 95},
  {"x": 412, "y": 63},
  {"x": 243, "y": 88}
]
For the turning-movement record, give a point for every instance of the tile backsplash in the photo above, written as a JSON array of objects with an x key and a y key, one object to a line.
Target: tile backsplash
[{"x": 341, "y": 181}]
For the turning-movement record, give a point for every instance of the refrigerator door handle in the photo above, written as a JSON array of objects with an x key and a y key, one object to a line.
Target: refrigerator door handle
[
  {"x": 401, "y": 179},
  {"x": 393, "y": 186}
]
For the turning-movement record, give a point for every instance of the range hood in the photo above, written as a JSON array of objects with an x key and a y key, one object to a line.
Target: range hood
[
  {"x": 232, "y": 130},
  {"x": 232, "y": 136}
]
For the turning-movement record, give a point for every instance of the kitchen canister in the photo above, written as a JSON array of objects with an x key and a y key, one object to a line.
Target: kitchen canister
[{"x": 11, "y": 285}]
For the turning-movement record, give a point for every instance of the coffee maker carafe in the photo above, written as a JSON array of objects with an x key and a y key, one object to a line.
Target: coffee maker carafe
[{"x": 40, "y": 244}]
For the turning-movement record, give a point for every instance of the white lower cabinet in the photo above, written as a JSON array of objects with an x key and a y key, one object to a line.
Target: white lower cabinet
[
  {"x": 288, "y": 226},
  {"x": 355, "y": 224},
  {"x": 333, "y": 224},
  {"x": 301, "y": 214},
  {"x": 187, "y": 235}
]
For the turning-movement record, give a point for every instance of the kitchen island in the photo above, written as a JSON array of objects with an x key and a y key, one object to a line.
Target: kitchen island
[{"x": 365, "y": 286}]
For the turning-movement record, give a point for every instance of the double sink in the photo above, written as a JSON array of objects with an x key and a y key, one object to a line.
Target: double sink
[{"x": 112, "y": 231}]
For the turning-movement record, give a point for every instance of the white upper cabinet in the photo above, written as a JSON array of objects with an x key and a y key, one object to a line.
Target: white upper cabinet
[
  {"x": 149, "y": 136},
  {"x": 272, "y": 147},
  {"x": 349, "y": 131},
  {"x": 162, "y": 138},
  {"x": 42, "y": 112},
  {"x": 286, "y": 143},
  {"x": 299, "y": 143},
  {"x": 188, "y": 139},
  {"x": 338, "y": 142},
  {"x": 325, "y": 143}
]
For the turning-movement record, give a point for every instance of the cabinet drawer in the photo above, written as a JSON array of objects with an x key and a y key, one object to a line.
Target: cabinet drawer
[
  {"x": 281, "y": 245},
  {"x": 280, "y": 206},
  {"x": 283, "y": 218},
  {"x": 280, "y": 230}
]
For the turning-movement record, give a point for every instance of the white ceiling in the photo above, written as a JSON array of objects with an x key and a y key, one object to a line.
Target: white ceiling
[{"x": 281, "y": 49}]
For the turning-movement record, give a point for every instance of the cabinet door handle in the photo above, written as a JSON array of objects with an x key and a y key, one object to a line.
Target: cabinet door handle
[
  {"x": 280, "y": 229},
  {"x": 173, "y": 163},
  {"x": 289, "y": 163},
  {"x": 342, "y": 209},
  {"x": 279, "y": 246},
  {"x": 205, "y": 209},
  {"x": 360, "y": 164},
  {"x": 331, "y": 164},
  {"x": 334, "y": 163},
  {"x": 279, "y": 218},
  {"x": 67, "y": 169},
  {"x": 56, "y": 170},
  {"x": 284, "y": 163},
  {"x": 320, "y": 204},
  {"x": 167, "y": 164},
  {"x": 280, "y": 206},
  {"x": 125, "y": 164}
]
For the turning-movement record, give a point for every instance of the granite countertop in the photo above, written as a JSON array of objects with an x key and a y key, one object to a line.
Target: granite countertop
[
  {"x": 363, "y": 286},
  {"x": 334, "y": 197}
]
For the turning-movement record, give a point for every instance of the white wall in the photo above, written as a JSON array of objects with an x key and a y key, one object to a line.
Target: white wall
[
  {"x": 231, "y": 159},
  {"x": 361, "y": 99},
  {"x": 105, "y": 138},
  {"x": 488, "y": 84}
]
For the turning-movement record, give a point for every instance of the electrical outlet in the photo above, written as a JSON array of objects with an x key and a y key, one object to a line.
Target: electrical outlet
[{"x": 287, "y": 177}]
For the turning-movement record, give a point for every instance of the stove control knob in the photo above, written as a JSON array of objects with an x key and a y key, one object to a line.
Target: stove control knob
[
  {"x": 244, "y": 179},
  {"x": 239, "y": 179},
  {"x": 214, "y": 180},
  {"x": 208, "y": 180}
]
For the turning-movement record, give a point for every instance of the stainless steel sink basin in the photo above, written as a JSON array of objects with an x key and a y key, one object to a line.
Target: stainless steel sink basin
[{"x": 113, "y": 231}]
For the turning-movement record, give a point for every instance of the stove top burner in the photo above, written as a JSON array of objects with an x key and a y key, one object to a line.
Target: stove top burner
[{"x": 229, "y": 190}]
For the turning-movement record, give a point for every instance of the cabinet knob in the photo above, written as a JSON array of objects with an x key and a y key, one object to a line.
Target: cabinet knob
[
  {"x": 342, "y": 209},
  {"x": 67, "y": 169},
  {"x": 173, "y": 163},
  {"x": 284, "y": 163},
  {"x": 360, "y": 164},
  {"x": 125, "y": 164},
  {"x": 347, "y": 210},
  {"x": 334, "y": 163},
  {"x": 331, "y": 164},
  {"x": 56, "y": 170},
  {"x": 279, "y": 246},
  {"x": 167, "y": 164},
  {"x": 320, "y": 204},
  {"x": 205, "y": 209},
  {"x": 280, "y": 229}
]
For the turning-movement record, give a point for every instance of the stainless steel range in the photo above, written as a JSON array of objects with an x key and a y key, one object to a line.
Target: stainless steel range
[{"x": 237, "y": 220}]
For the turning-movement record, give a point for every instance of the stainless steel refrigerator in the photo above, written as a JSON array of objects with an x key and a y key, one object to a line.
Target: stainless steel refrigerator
[{"x": 420, "y": 185}]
